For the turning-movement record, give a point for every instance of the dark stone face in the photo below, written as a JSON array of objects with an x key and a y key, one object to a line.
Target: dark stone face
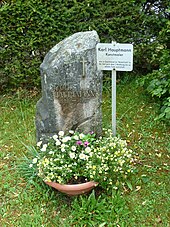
[{"x": 71, "y": 87}]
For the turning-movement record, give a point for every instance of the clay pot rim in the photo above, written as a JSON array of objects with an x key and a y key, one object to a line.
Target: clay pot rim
[{"x": 72, "y": 187}]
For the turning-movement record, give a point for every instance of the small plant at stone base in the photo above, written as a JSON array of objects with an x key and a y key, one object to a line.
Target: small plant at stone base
[{"x": 76, "y": 156}]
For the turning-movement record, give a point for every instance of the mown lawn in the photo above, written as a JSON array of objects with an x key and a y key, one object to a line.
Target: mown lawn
[{"x": 144, "y": 203}]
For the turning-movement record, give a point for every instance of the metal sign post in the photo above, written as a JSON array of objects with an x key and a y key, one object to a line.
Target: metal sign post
[
  {"x": 114, "y": 98},
  {"x": 114, "y": 102}
]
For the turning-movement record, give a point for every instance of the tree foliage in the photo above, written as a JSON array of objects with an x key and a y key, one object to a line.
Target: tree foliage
[
  {"x": 157, "y": 84},
  {"x": 30, "y": 28}
]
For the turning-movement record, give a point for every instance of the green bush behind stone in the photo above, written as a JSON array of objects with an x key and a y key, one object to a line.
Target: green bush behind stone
[{"x": 30, "y": 28}]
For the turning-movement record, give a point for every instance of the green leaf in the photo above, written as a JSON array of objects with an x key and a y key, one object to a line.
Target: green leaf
[{"x": 129, "y": 185}]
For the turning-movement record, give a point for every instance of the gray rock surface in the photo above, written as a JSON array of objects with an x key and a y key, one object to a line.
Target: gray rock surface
[{"x": 71, "y": 87}]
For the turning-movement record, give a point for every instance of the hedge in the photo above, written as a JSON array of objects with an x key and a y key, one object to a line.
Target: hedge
[{"x": 30, "y": 28}]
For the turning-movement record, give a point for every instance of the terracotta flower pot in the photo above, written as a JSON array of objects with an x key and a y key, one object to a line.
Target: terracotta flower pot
[{"x": 73, "y": 189}]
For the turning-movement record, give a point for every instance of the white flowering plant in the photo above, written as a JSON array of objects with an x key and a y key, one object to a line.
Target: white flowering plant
[{"x": 76, "y": 156}]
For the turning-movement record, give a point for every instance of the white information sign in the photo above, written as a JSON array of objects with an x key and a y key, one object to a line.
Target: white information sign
[{"x": 115, "y": 56}]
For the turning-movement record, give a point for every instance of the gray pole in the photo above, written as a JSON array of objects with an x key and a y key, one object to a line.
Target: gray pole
[
  {"x": 114, "y": 98},
  {"x": 114, "y": 102}
]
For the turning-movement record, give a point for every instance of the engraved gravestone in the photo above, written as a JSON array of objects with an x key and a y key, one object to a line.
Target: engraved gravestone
[{"x": 71, "y": 87}]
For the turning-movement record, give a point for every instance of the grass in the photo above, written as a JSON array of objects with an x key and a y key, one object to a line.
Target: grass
[{"x": 144, "y": 203}]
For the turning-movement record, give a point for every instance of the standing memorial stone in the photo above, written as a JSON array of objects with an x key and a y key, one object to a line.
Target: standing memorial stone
[{"x": 71, "y": 87}]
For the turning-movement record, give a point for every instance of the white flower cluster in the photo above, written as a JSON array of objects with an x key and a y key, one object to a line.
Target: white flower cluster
[{"x": 106, "y": 159}]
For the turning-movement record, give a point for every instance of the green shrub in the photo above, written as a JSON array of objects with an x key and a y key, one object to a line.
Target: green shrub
[
  {"x": 30, "y": 28},
  {"x": 157, "y": 84}
]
